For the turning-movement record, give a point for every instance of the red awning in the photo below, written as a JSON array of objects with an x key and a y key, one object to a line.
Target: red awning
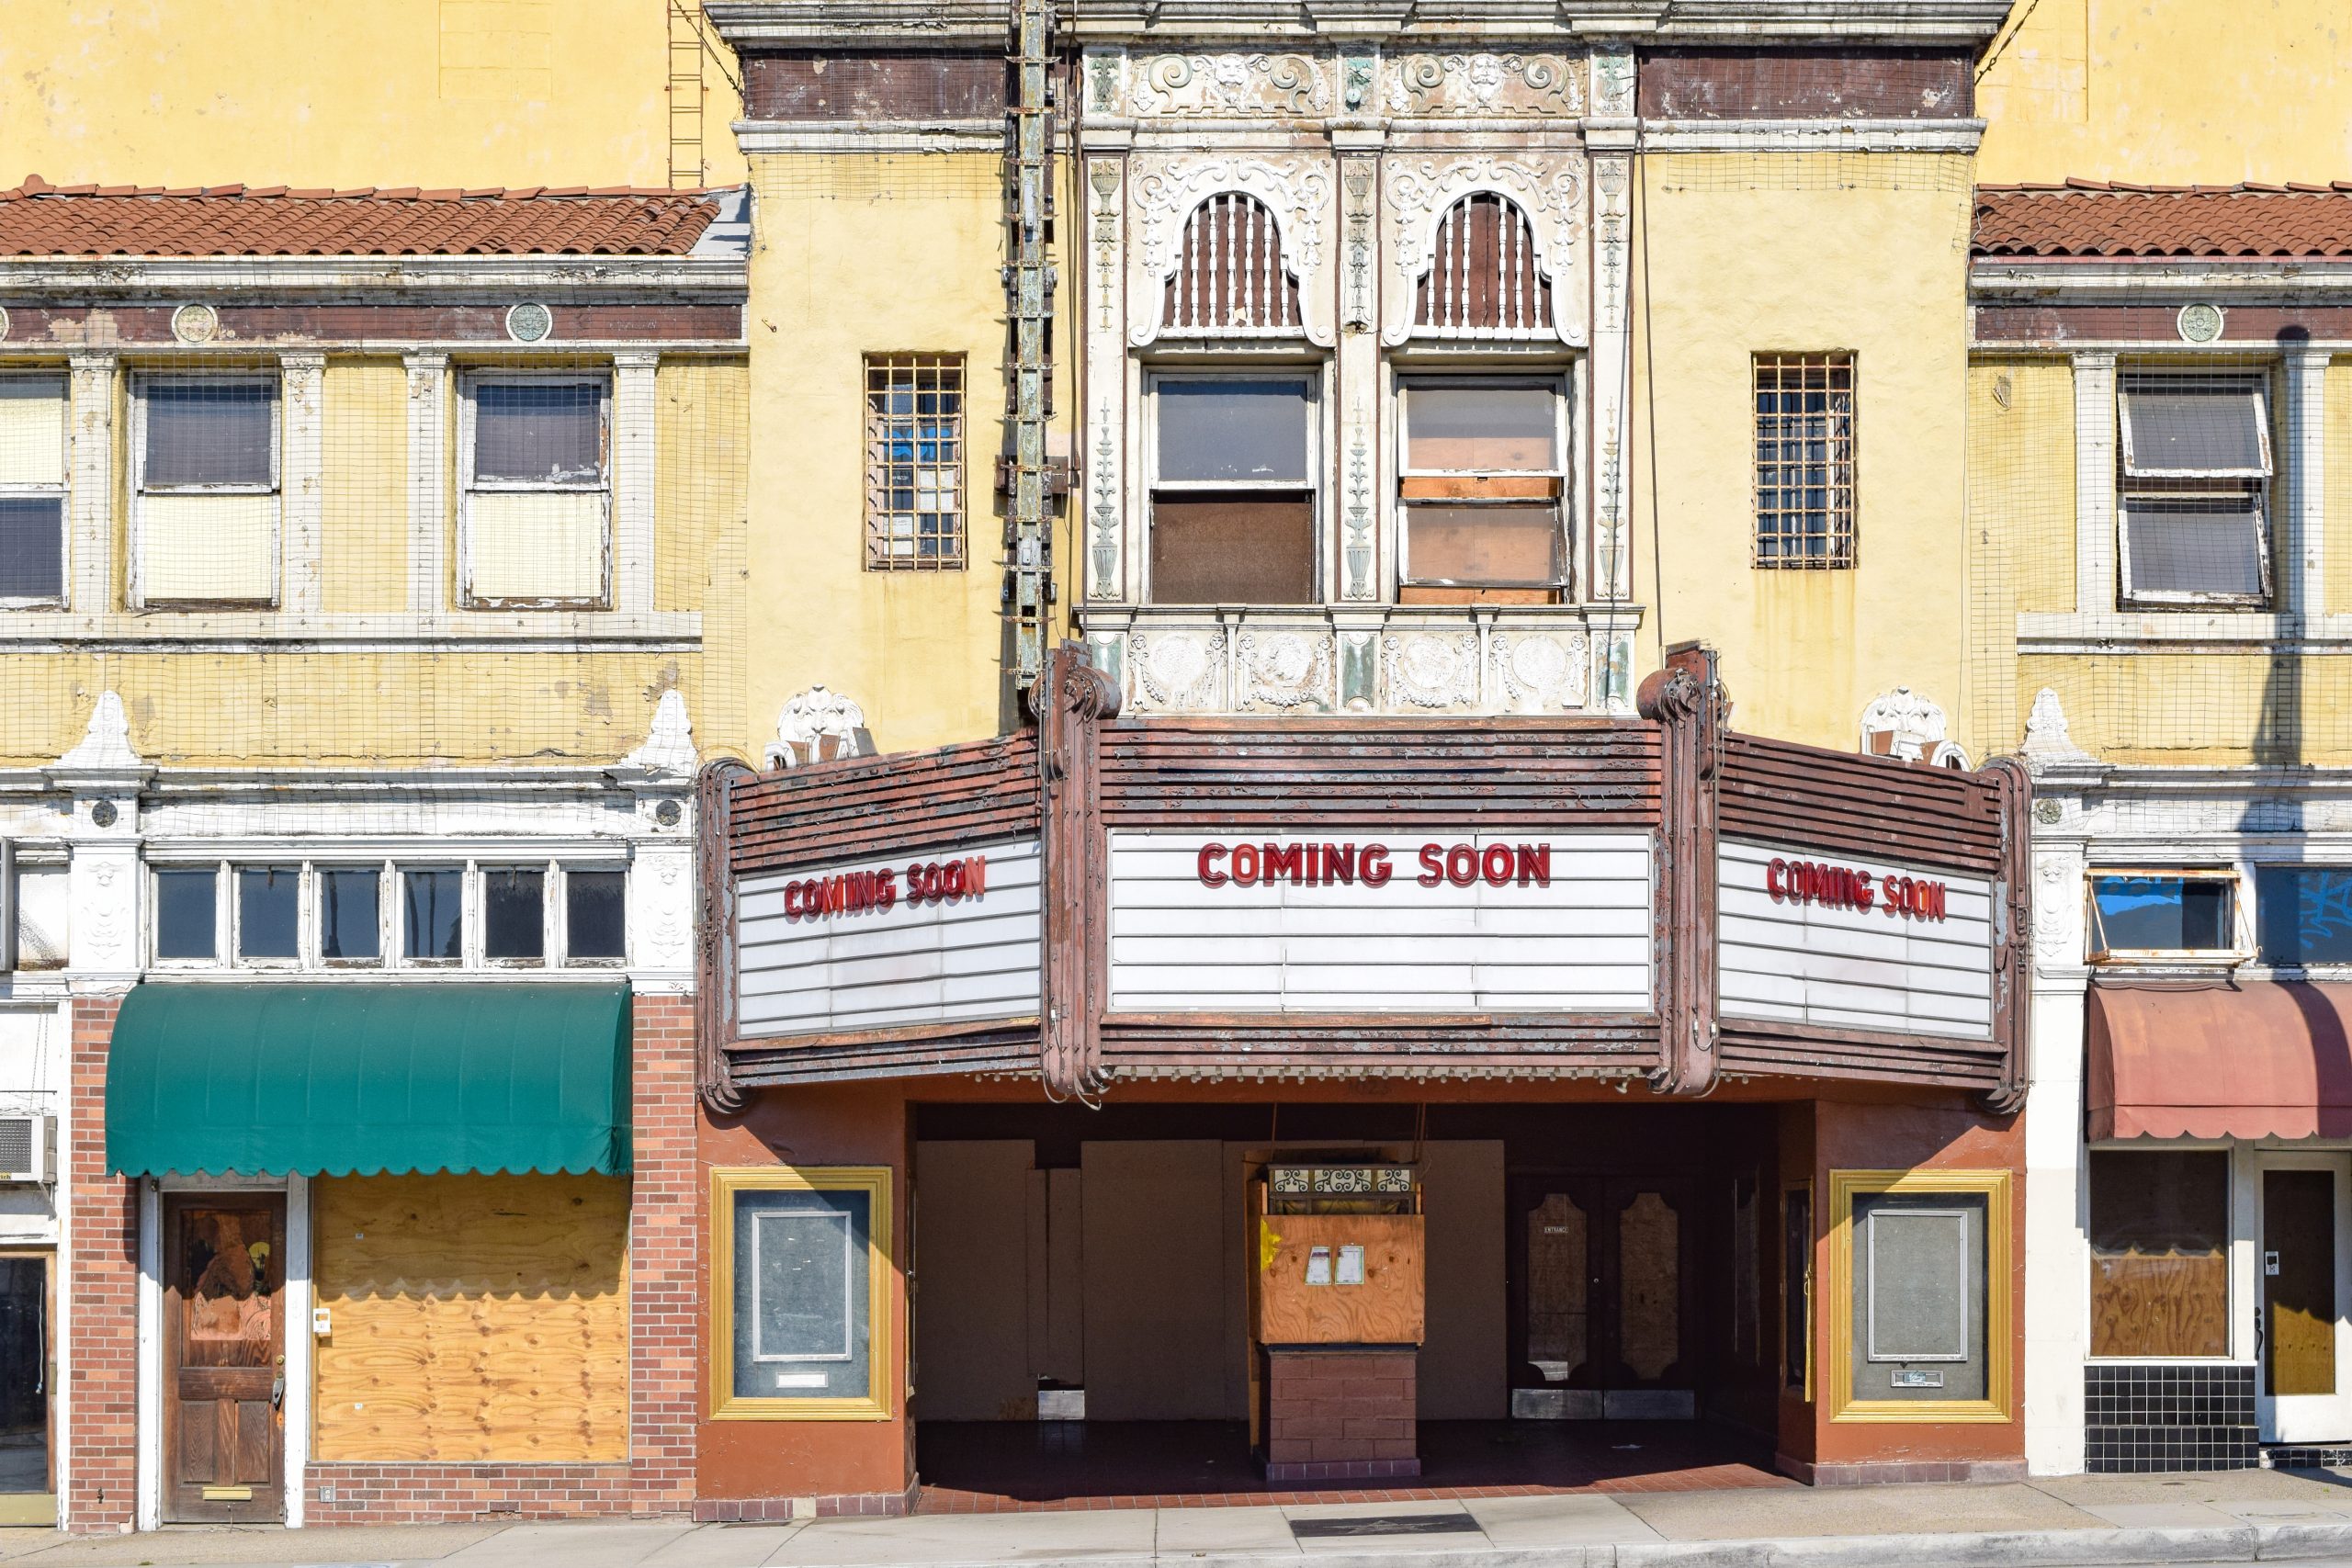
[{"x": 2261, "y": 1059}]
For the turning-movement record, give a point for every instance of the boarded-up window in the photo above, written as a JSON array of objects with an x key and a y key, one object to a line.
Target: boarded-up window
[
  {"x": 475, "y": 1319},
  {"x": 205, "y": 463},
  {"x": 2160, "y": 1237},
  {"x": 539, "y": 491},
  {"x": 1479, "y": 490},
  {"x": 1233, "y": 500}
]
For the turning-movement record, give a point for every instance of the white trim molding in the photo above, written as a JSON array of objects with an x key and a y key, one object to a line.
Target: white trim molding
[{"x": 1961, "y": 136}]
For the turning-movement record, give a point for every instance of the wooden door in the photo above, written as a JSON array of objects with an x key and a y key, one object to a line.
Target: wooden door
[
  {"x": 2298, "y": 1282},
  {"x": 1605, "y": 1292},
  {"x": 1556, "y": 1256},
  {"x": 224, "y": 1357}
]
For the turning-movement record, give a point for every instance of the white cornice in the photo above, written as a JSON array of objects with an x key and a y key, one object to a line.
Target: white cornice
[
  {"x": 723, "y": 278},
  {"x": 1812, "y": 135},
  {"x": 874, "y": 137},
  {"x": 2156, "y": 277},
  {"x": 864, "y": 24}
]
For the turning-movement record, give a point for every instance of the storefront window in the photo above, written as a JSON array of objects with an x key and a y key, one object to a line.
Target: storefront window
[
  {"x": 2160, "y": 1237},
  {"x": 2183, "y": 912},
  {"x": 800, "y": 1297},
  {"x": 2304, "y": 914}
]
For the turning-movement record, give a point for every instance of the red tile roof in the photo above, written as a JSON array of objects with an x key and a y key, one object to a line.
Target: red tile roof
[
  {"x": 38, "y": 219},
  {"x": 2085, "y": 219}
]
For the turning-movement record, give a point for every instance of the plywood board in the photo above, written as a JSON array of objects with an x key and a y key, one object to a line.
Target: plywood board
[
  {"x": 476, "y": 1318},
  {"x": 1388, "y": 1308},
  {"x": 1463, "y": 1375},
  {"x": 1154, "y": 1245},
  {"x": 971, "y": 1281}
]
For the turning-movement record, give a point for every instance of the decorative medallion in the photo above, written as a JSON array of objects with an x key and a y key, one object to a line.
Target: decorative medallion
[
  {"x": 104, "y": 814},
  {"x": 1540, "y": 673},
  {"x": 529, "y": 323},
  {"x": 1430, "y": 669},
  {"x": 195, "y": 323},
  {"x": 2200, "y": 322},
  {"x": 1283, "y": 670},
  {"x": 1176, "y": 670},
  {"x": 2049, "y": 812}
]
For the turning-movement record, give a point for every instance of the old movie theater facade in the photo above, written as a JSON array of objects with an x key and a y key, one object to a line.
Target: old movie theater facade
[{"x": 1335, "y": 1095}]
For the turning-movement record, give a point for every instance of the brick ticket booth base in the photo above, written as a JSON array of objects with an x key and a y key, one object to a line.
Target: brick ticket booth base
[{"x": 1336, "y": 1414}]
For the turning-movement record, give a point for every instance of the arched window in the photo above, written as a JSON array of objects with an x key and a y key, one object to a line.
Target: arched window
[
  {"x": 1483, "y": 280},
  {"x": 1230, "y": 276}
]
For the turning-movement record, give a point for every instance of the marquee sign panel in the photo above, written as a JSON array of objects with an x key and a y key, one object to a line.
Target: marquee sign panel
[
  {"x": 944, "y": 937},
  {"x": 1380, "y": 923},
  {"x": 1851, "y": 944}
]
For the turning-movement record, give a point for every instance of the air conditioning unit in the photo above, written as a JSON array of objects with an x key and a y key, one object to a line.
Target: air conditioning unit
[{"x": 27, "y": 1149}]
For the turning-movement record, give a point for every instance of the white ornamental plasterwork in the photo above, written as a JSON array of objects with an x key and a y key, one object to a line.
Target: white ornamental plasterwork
[
  {"x": 2057, "y": 910},
  {"x": 1485, "y": 86},
  {"x": 1229, "y": 85},
  {"x": 1549, "y": 189},
  {"x": 1430, "y": 669},
  {"x": 1176, "y": 671},
  {"x": 1283, "y": 670},
  {"x": 1611, "y": 177},
  {"x": 1297, "y": 191},
  {"x": 1541, "y": 671}
]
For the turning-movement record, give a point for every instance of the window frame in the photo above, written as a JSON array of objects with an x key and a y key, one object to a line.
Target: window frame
[
  {"x": 1843, "y": 532},
  {"x": 222, "y": 942},
  {"x": 470, "y": 386},
  {"x": 550, "y": 933},
  {"x": 1309, "y": 379},
  {"x": 876, "y": 1403},
  {"x": 62, "y": 490},
  {"x": 2230, "y": 1240},
  {"x": 2241, "y": 950},
  {"x": 877, "y": 538},
  {"x": 559, "y": 915},
  {"x": 304, "y": 940},
  {"x": 314, "y": 914},
  {"x": 2255, "y": 872},
  {"x": 140, "y": 489},
  {"x": 1560, "y": 383},
  {"x": 2216, "y": 484}
]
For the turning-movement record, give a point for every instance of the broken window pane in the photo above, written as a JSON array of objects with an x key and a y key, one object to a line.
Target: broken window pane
[
  {"x": 1231, "y": 430},
  {"x": 268, "y": 911},
  {"x": 2161, "y": 914},
  {"x": 514, "y": 918},
  {"x": 349, "y": 922},
  {"x": 594, "y": 912},
  {"x": 538, "y": 431},
  {"x": 433, "y": 923},
  {"x": 207, "y": 431},
  {"x": 185, "y": 913},
  {"x": 2174, "y": 425},
  {"x": 2194, "y": 544}
]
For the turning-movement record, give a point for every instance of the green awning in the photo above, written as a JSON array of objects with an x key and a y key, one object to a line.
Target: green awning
[{"x": 362, "y": 1077}]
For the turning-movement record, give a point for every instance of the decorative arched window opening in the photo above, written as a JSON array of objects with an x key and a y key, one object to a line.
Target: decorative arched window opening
[
  {"x": 1229, "y": 274},
  {"x": 1483, "y": 278}
]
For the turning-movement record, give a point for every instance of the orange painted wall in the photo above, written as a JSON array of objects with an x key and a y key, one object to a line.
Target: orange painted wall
[{"x": 842, "y": 1125}]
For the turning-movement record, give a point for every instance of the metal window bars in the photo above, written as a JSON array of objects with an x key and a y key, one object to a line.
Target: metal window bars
[
  {"x": 914, "y": 462},
  {"x": 1805, "y": 461}
]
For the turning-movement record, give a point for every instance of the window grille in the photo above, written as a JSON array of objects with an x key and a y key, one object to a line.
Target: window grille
[
  {"x": 914, "y": 462},
  {"x": 2194, "y": 467},
  {"x": 205, "y": 461},
  {"x": 1804, "y": 460},
  {"x": 1231, "y": 278},
  {"x": 1483, "y": 280},
  {"x": 32, "y": 490}
]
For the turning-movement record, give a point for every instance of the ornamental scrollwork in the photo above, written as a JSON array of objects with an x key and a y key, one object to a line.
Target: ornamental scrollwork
[
  {"x": 1550, "y": 190},
  {"x": 1296, "y": 191},
  {"x": 1494, "y": 86},
  {"x": 1217, "y": 86}
]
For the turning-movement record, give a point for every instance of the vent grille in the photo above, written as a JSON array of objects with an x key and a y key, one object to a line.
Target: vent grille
[{"x": 16, "y": 1134}]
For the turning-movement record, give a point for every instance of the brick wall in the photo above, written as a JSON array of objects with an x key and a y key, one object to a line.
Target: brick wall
[
  {"x": 1340, "y": 1415},
  {"x": 102, "y": 1273},
  {"x": 665, "y": 1304}
]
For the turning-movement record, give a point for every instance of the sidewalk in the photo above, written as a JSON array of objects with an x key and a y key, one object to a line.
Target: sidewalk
[{"x": 2234, "y": 1518}]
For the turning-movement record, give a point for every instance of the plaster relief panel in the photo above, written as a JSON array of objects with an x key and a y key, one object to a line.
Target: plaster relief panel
[
  {"x": 1200, "y": 86},
  {"x": 1549, "y": 188},
  {"x": 1297, "y": 191},
  {"x": 1485, "y": 86}
]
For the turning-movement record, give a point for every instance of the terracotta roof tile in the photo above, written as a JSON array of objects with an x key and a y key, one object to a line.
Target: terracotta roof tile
[
  {"x": 38, "y": 219},
  {"x": 2085, "y": 217}
]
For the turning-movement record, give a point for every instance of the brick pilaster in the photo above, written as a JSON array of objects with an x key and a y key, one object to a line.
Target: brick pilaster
[{"x": 101, "y": 1466}]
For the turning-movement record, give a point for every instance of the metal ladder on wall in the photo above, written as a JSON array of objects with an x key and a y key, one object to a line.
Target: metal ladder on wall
[{"x": 1029, "y": 297}]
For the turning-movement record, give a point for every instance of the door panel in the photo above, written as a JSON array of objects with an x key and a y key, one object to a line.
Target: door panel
[
  {"x": 1558, "y": 1293},
  {"x": 1604, "y": 1290},
  {"x": 1650, "y": 1286},
  {"x": 2299, "y": 1305},
  {"x": 224, "y": 1357}
]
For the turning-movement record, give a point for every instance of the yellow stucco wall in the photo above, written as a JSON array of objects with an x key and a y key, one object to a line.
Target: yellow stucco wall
[
  {"x": 2170, "y": 91},
  {"x": 2204, "y": 707},
  {"x": 363, "y": 524},
  {"x": 858, "y": 254},
  {"x": 431, "y": 93},
  {"x": 1802, "y": 252}
]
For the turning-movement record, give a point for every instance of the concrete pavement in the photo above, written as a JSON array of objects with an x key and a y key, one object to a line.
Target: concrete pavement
[{"x": 2067, "y": 1523}]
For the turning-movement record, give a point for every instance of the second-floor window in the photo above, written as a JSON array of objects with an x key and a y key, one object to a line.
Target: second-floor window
[
  {"x": 1232, "y": 517},
  {"x": 32, "y": 490},
  {"x": 536, "y": 518},
  {"x": 2193, "y": 488},
  {"x": 914, "y": 462},
  {"x": 2161, "y": 915},
  {"x": 205, "y": 490},
  {"x": 1479, "y": 491},
  {"x": 1804, "y": 460}
]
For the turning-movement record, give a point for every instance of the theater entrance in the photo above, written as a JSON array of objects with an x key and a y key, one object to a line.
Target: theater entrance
[{"x": 1604, "y": 1297}]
